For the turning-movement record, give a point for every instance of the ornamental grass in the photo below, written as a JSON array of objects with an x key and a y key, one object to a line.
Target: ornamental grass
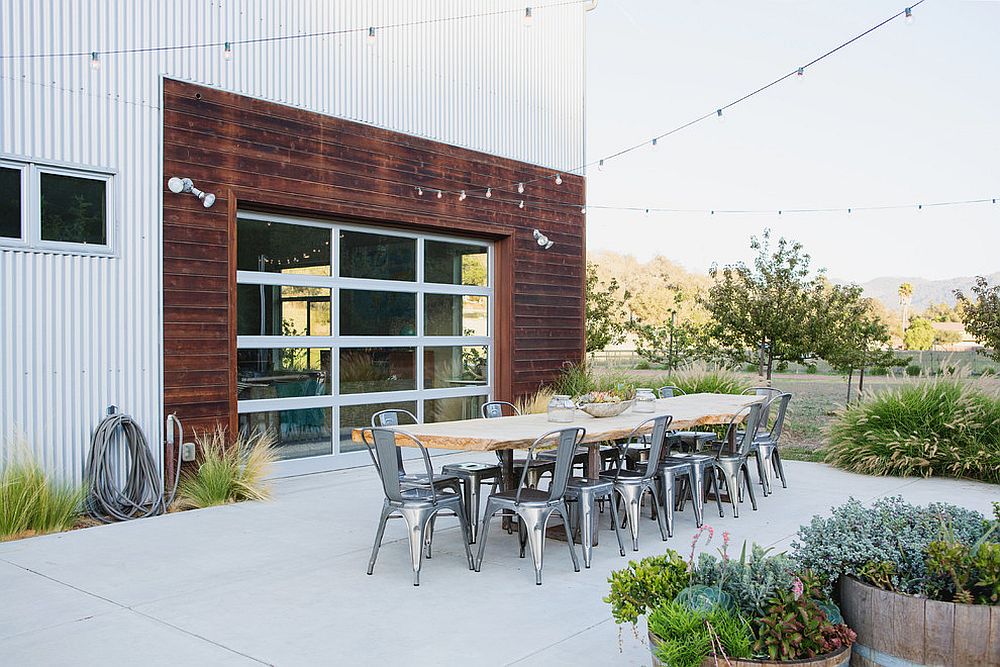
[
  {"x": 228, "y": 472},
  {"x": 939, "y": 427},
  {"x": 31, "y": 502}
]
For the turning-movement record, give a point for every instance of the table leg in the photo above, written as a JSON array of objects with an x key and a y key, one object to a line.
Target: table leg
[{"x": 507, "y": 480}]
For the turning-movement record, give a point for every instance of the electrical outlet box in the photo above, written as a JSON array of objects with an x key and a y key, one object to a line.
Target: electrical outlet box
[{"x": 187, "y": 451}]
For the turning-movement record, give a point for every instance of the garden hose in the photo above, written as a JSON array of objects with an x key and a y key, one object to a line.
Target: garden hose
[{"x": 118, "y": 444}]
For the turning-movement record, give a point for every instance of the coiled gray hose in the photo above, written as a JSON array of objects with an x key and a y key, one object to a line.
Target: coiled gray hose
[{"x": 119, "y": 442}]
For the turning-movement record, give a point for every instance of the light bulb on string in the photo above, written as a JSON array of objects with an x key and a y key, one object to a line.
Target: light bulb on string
[
  {"x": 718, "y": 114},
  {"x": 558, "y": 179},
  {"x": 520, "y": 188},
  {"x": 461, "y": 197},
  {"x": 600, "y": 165},
  {"x": 654, "y": 142},
  {"x": 371, "y": 36},
  {"x": 801, "y": 74},
  {"x": 95, "y": 60},
  {"x": 521, "y": 204},
  {"x": 420, "y": 191},
  {"x": 440, "y": 194},
  {"x": 529, "y": 20},
  {"x": 489, "y": 192},
  {"x": 908, "y": 16},
  {"x": 583, "y": 210},
  {"x": 227, "y": 51}
]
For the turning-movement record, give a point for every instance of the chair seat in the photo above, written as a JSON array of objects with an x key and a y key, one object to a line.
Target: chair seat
[
  {"x": 592, "y": 485},
  {"x": 625, "y": 476},
  {"x": 420, "y": 479},
  {"x": 418, "y": 496},
  {"x": 673, "y": 465},
  {"x": 471, "y": 468},
  {"x": 533, "y": 463},
  {"x": 528, "y": 497}
]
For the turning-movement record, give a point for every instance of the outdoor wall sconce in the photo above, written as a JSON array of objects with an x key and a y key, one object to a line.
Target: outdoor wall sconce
[
  {"x": 179, "y": 185},
  {"x": 542, "y": 240}
]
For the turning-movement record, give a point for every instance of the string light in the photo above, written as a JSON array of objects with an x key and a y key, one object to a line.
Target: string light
[
  {"x": 489, "y": 192},
  {"x": 95, "y": 60},
  {"x": 521, "y": 204},
  {"x": 654, "y": 142},
  {"x": 583, "y": 210},
  {"x": 420, "y": 191},
  {"x": 801, "y": 74},
  {"x": 718, "y": 113},
  {"x": 461, "y": 197},
  {"x": 558, "y": 179},
  {"x": 371, "y": 36},
  {"x": 227, "y": 51},
  {"x": 529, "y": 20},
  {"x": 520, "y": 188},
  {"x": 440, "y": 194},
  {"x": 908, "y": 16}
]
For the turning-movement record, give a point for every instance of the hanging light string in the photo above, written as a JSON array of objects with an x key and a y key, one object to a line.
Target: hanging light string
[
  {"x": 718, "y": 112},
  {"x": 228, "y": 45}
]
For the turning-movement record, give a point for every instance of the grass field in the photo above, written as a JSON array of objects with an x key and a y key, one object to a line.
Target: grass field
[{"x": 816, "y": 398}]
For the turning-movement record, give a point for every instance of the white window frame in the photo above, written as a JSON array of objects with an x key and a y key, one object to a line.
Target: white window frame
[
  {"x": 336, "y": 342},
  {"x": 31, "y": 208}
]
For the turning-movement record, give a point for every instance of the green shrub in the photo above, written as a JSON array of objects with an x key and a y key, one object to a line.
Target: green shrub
[
  {"x": 33, "y": 503},
  {"x": 229, "y": 471},
  {"x": 812, "y": 369},
  {"x": 643, "y": 586},
  {"x": 795, "y": 627},
  {"x": 710, "y": 382},
  {"x": 912, "y": 370},
  {"x": 891, "y": 534},
  {"x": 963, "y": 572},
  {"x": 687, "y": 637},
  {"x": 750, "y": 581},
  {"x": 574, "y": 380},
  {"x": 939, "y": 427},
  {"x": 642, "y": 366},
  {"x": 879, "y": 371}
]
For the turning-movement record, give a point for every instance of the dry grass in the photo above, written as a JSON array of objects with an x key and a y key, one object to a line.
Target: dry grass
[
  {"x": 229, "y": 471},
  {"x": 31, "y": 502}
]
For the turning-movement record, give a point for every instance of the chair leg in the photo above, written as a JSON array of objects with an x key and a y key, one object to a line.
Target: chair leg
[
  {"x": 429, "y": 537},
  {"x": 386, "y": 511},
  {"x": 779, "y": 468},
  {"x": 463, "y": 521},
  {"x": 564, "y": 512},
  {"x": 484, "y": 532},
  {"x": 631, "y": 499},
  {"x": 614, "y": 523},
  {"x": 732, "y": 487},
  {"x": 668, "y": 489},
  {"x": 746, "y": 478},
  {"x": 717, "y": 488},
  {"x": 760, "y": 456},
  {"x": 698, "y": 507},
  {"x": 472, "y": 506},
  {"x": 534, "y": 521},
  {"x": 416, "y": 526},
  {"x": 660, "y": 519},
  {"x": 585, "y": 511}
]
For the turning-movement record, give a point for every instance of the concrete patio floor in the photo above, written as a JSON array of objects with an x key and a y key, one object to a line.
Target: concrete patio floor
[{"x": 284, "y": 582}]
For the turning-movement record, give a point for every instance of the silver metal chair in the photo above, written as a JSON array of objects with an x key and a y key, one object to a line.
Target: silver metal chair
[
  {"x": 733, "y": 469},
  {"x": 417, "y": 506},
  {"x": 536, "y": 467},
  {"x": 586, "y": 492},
  {"x": 631, "y": 485},
  {"x": 669, "y": 391},
  {"x": 534, "y": 507},
  {"x": 691, "y": 441},
  {"x": 697, "y": 472},
  {"x": 390, "y": 419},
  {"x": 765, "y": 445}
]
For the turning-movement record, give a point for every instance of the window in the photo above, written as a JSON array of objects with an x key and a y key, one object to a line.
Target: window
[
  {"x": 51, "y": 208},
  {"x": 336, "y": 322}
]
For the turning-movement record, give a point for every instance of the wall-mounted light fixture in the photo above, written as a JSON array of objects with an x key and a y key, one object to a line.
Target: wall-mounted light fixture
[
  {"x": 542, "y": 240},
  {"x": 179, "y": 185}
]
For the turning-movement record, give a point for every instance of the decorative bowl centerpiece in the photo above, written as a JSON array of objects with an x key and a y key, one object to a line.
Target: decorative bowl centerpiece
[{"x": 603, "y": 404}]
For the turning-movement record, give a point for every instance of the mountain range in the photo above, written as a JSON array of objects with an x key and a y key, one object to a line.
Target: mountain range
[{"x": 925, "y": 292}]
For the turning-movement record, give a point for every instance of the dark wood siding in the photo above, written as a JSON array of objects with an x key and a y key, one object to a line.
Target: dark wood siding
[{"x": 259, "y": 155}]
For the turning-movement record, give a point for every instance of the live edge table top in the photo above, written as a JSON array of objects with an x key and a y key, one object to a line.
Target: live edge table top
[{"x": 484, "y": 435}]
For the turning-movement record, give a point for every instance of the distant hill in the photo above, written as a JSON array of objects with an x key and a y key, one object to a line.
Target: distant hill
[{"x": 925, "y": 292}]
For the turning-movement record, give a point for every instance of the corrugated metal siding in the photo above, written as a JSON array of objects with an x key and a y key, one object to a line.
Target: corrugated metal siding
[{"x": 82, "y": 332}]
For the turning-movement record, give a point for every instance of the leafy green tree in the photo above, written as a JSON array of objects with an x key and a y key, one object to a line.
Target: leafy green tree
[
  {"x": 981, "y": 315},
  {"x": 854, "y": 335},
  {"x": 919, "y": 335},
  {"x": 942, "y": 312},
  {"x": 946, "y": 337},
  {"x": 606, "y": 313},
  {"x": 768, "y": 309}
]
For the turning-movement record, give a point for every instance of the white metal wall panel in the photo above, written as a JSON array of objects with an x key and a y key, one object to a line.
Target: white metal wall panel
[{"x": 81, "y": 332}]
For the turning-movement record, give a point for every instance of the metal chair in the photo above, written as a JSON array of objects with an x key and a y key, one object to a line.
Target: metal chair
[
  {"x": 669, "y": 391},
  {"x": 389, "y": 419},
  {"x": 534, "y": 507},
  {"x": 698, "y": 472},
  {"x": 765, "y": 445},
  {"x": 586, "y": 493},
  {"x": 417, "y": 506},
  {"x": 631, "y": 485},
  {"x": 536, "y": 467},
  {"x": 733, "y": 468}
]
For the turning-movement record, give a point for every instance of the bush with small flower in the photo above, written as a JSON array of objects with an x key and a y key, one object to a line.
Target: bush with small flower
[{"x": 719, "y": 607}]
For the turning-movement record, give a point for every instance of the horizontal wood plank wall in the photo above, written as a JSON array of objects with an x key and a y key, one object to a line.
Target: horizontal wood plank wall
[{"x": 258, "y": 155}]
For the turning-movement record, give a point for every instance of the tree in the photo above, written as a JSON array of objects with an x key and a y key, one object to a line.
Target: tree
[
  {"x": 981, "y": 316},
  {"x": 856, "y": 337},
  {"x": 946, "y": 337},
  {"x": 767, "y": 310},
  {"x": 942, "y": 312},
  {"x": 606, "y": 312},
  {"x": 905, "y": 297},
  {"x": 919, "y": 335}
]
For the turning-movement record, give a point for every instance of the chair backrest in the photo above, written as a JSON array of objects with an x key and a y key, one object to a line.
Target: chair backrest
[
  {"x": 568, "y": 439},
  {"x": 385, "y": 450},
  {"x": 657, "y": 440},
  {"x": 495, "y": 409},
  {"x": 779, "y": 420},
  {"x": 390, "y": 417},
  {"x": 768, "y": 393},
  {"x": 752, "y": 414},
  {"x": 670, "y": 391}
]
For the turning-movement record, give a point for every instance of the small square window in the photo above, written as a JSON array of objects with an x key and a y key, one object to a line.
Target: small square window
[
  {"x": 73, "y": 209},
  {"x": 10, "y": 203}
]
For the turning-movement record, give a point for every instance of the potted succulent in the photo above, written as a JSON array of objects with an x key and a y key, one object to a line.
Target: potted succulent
[
  {"x": 759, "y": 609},
  {"x": 920, "y": 585}
]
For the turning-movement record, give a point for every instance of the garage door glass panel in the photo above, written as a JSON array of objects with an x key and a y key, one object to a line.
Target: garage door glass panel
[
  {"x": 300, "y": 433},
  {"x": 282, "y": 248},
  {"x": 455, "y": 315},
  {"x": 455, "y": 263},
  {"x": 374, "y": 313},
  {"x": 283, "y": 372},
  {"x": 377, "y": 256},
  {"x": 375, "y": 369},
  {"x": 282, "y": 310},
  {"x": 449, "y": 367}
]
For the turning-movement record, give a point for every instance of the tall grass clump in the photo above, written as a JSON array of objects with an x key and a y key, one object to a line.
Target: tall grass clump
[
  {"x": 31, "y": 502},
  {"x": 229, "y": 472},
  {"x": 574, "y": 380},
  {"x": 708, "y": 382},
  {"x": 533, "y": 404},
  {"x": 939, "y": 427}
]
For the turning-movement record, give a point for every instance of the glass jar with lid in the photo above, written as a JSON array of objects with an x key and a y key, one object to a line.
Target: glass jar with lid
[
  {"x": 645, "y": 401},
  {"x": 561, "y": 409}
]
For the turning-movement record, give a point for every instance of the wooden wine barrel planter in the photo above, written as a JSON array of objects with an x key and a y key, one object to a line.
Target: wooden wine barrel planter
[
  {"x": 896, "y": 630},
  {"x": 841, "y": 658}
]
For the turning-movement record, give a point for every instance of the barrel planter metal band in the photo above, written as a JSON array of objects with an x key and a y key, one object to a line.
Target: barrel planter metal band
[
  {"x": 841, "y": 658},
  {"x": 897, "y": 630}
]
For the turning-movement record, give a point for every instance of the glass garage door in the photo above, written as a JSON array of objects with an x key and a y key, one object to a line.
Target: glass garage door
[{"x": 337, "y": 321}]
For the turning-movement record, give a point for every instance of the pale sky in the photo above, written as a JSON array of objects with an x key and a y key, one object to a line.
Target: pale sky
[{"x": 909, "y": 113}]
